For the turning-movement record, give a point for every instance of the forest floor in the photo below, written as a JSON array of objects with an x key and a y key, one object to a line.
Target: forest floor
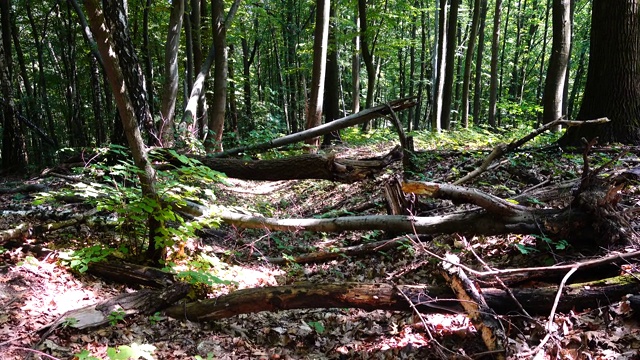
[{"x": 36, "y": 287}]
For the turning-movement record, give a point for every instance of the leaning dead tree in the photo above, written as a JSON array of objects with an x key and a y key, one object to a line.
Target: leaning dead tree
[{"x": 351, "y": 120}]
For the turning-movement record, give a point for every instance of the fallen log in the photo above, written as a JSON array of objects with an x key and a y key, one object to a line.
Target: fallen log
[
  {"x": 427, "y": 299},
  {"x": 306, "y": 166}
]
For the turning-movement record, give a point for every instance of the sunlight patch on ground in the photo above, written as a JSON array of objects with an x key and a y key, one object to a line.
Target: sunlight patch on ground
[{"x": 255, "y": 187}]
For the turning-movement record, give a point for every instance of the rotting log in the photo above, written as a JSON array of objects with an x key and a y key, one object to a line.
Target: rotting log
[
  {"x": 145, "y": 301},
  {"x": 428, "y": 299},
  {"x": 306, "y": 166}
]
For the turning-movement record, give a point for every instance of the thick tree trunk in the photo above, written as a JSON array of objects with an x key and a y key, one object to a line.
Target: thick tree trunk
[
  {"x": 613, "y": 77},
  {"x": 218, "y": 107},
  {"x": 13, "y": 151}
]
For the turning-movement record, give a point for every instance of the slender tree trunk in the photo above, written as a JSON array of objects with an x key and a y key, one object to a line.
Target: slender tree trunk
[
  {"x": 439, "y": 68},
  {"x": 447, "y": 95},
  {"x": 355, "y": 66},
  {"x": 146, "y": 55},
  {"x": 577, "y": 84},
  {"x": 423, "y": 73},
  {"x": 320, "y": 43},
  {"x": 495, "y": 45},
  {"x": 213, "y": 142},
  {"x": 558, "y": 62},
  {"x": 514, "y": 83},
  {"x": 233, "y": 101},
  {"x": 368, "y": 57},
  {"x": 248, "y": 56},
  {"x": 468, "y": 62},
  {"x": 502, "y": 59},
  {"x": 477, "y": 86},
  {"x": 171, "y": 79},
  {"x": 331, "y": 108},
  {"x": 188, "y": 65}
]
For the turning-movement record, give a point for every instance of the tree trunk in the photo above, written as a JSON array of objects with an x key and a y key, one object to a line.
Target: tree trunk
[
  {"x": 493, "y": 87},
  {"x": 146, "y": 55},
  {"x": 116, "y": 19},
  {"x": 171, "y": 80},
  {"x": 320, "y": 42},
  {"x": 353, "y": 119},
  {"x": 355, "y": 66},
  {"x": 368, "y": 57},
  {"x": 332, "y": 82},
  {"x": 613, "y": 77},
  {"x": 558, "y": 62},
  {"x": 477, "y": 86},
  {"x": 468, "y": 62},
  {"x": 439, "y": 68},
  {"x": 218, "y": 107}
]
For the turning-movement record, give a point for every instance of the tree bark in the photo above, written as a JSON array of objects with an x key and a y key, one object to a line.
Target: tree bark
[
  {"x": 613, "y": 76},
  {"x": 439, "y": 67},
  {"x": 475, "y": 22},
  {"x": 355, "y": 66},
  {"x": 171, "y": 79},
  {"x": 116, "y": 20},
  {"x": 213, "y": 142},
  {"x": 307, "y": 166},
  {"x": 449, "y": 72},
  {"x": 368, "y": 57},
  {"x": 558, "y": 62},
  {"x": 320, "y": 42},
  {"x": 493, "y": 87},
  {"x": 427, "y": 299}
]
